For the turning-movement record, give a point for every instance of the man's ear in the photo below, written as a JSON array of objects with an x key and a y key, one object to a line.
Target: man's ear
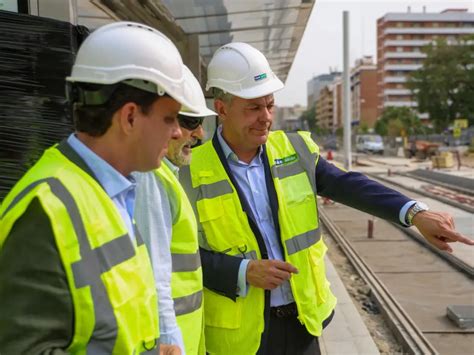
[
  {"x": 127, "y": 117},
  {"x": 221, "y": 108}
]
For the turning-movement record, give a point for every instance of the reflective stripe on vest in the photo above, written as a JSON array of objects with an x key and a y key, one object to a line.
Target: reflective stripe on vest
[
  {"x": 284, "y": 171},
  {"x": 302, "y": 241},
  {"x": 187, "y": 304},
  {"x": 185, "y": 262},
  {"x": 88, "y": 270},
  {"x": 214, "y": 190},
  {"x": 307, "y": 158}
]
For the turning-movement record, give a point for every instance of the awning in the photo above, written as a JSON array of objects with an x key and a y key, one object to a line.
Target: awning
[{"x": 274, "y": 27}]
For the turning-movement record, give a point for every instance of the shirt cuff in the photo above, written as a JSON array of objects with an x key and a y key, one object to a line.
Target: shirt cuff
[
  {"x": 404, "y": 211},
  {"x": 242, "y": 286},
  {"x": 173, "y": 337}
]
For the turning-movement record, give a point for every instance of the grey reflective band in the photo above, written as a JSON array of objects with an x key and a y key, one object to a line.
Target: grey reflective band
[
  {"x": 302, "y": 241},
  {"x": 252, "y": 255},
  {"x": 187, "y": 304},
  {"x": 193, "y": 193},
  {"x": 88, "y": 270},
  {"x": 22, "y": 194},
  {"x": 186, "y": 183},
  {"x": 284, "y": 171},
  {"x": 109, "y": 255},
  {"x": 186, "y": 262},
  {"x": 215, "y": 189},
  {"x": 307, "y": 160}
]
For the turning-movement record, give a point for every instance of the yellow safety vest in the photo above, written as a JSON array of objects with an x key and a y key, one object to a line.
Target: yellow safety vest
[
  {"x": 110, "y": 276},
  {"x": 236, "y": 327},
  {"x": 186, "y": 277}
]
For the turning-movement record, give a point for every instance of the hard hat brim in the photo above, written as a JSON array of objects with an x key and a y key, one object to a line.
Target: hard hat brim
[
  {"x": 170, "y": 88},
  {"x": 261, "y": 90},
  {"x": 203, "y": 113}
]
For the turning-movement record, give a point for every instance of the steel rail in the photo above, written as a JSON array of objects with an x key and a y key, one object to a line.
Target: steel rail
[
  {"x": 404, "y": 328},
  {"x": 450, "y": 258},
  {"x": 443, "y": 199}
]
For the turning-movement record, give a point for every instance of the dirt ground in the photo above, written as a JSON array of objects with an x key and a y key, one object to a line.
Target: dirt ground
[
  {"x": 467, "y": 160},
  {"x": 360, "y": 294}
]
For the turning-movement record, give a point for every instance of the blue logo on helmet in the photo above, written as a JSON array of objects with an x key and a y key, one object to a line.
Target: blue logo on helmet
[{"x": 260, "y": 77}]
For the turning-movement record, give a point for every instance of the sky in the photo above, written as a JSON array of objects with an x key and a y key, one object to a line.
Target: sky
[{"x": 321, "y": 45}]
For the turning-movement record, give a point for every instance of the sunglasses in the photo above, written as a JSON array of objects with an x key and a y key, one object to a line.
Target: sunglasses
[{"x": 189, "y": 122}]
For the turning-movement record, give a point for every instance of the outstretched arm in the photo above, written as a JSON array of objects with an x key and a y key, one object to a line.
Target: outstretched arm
[{"x": 438, "y": 229}]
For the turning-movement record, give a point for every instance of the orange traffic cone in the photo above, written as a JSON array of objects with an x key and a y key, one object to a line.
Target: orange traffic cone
[{"x": 329, "y": 156}]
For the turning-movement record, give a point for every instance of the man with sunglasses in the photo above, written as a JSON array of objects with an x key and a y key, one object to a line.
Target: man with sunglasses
[{"x": 167, "y": 223}]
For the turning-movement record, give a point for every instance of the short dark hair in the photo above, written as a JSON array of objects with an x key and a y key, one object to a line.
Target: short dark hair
[
  {"x": 220, "y": 94},
  {"x": 96, "y": 120}
]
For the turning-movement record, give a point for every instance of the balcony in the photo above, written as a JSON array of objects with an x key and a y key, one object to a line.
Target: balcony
[
  {"x": 402, "y": 67},
  {"x": 430, "y": 30},
  {"x": 406, "y": 43},
  {"x": 403, "y": 92},
  {"x": 400, "y": 104},
  {"x": 407, "y": 55},
  {"x": 395, "y": 79}
]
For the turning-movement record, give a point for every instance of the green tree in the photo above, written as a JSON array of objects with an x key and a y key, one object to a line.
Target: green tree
[
  {"x": 444, "y": 86},
  {"x": 310, "y": 116},
  {"x": 363, "y": 128},
  {"x": 398, "y": 120}
]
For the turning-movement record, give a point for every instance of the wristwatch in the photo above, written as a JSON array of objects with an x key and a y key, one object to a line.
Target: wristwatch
[{"x": 413, "y": 210}]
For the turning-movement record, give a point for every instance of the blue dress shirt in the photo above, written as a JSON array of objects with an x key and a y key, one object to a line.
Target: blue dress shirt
[
  {"x": 251, "y": 180},
  {"x": 119, "y": 188}
]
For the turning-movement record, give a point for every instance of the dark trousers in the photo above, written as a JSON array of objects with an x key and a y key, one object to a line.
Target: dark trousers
[{"x": 287, "y": 336}]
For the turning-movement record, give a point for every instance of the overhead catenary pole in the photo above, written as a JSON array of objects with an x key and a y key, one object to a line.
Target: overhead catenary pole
[{"x": 346, "y": 93}]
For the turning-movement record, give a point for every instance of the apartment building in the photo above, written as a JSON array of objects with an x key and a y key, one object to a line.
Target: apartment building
[
  {"x": 316, "y": 84},
  {"x": 329, "y": 106},
  {"x": 400, "y": 39},
  {"x": 364, "y": 92}
]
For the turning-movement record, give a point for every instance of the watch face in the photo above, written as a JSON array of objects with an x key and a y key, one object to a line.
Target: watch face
[{"x": 421, "y": 206}]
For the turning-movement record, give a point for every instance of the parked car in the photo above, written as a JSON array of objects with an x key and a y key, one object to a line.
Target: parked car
[{"x": 369, "y": 143}]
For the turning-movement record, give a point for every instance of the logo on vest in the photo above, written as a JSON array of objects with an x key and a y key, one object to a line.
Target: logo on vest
[{"x": 286, "y": 160}]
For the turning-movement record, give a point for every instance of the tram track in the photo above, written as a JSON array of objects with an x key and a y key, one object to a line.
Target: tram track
[
  {"x": 412, "y": 284},
  {"x": 450, "y": 258},
  {"x": 404, "y": 328}
]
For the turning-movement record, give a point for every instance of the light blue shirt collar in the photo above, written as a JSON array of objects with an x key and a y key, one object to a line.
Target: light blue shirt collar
[
  {"x": 231, "y": 156},
  {"x": 174, "y": 169},
  {"x": 113, "y": 182}
]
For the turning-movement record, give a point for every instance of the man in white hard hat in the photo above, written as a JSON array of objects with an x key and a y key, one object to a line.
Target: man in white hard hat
[
  {"x": 255, "y": 194},
  {"x": 75, "y": 276},
  {"x": 168, "y": 226}
]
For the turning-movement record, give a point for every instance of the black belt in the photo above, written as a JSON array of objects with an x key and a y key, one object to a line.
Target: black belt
[{"x": 285, "y": 311}]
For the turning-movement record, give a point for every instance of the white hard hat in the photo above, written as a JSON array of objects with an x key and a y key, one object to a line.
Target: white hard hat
[
  {"x": 132, "y": 52},
  {"x": 242, "y": 70},
  {"x": 197, "y": 97}
]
